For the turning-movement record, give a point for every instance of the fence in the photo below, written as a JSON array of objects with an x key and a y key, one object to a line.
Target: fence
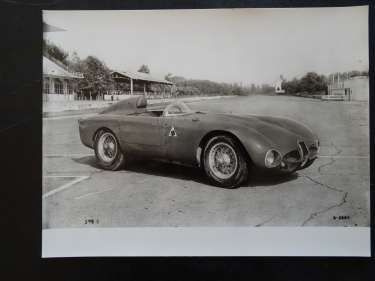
[
  {"x": 117, "y": 96},
  {"x": 59, "y": 63},
  {"x": 337, "y": 85},
  {"x": 120, "y": 95},
  {"x": 57, "y": 97}
]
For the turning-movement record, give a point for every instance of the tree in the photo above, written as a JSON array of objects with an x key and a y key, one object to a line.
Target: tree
[
  {"x": 96, "y": 75},
  {"x": 55, "y": 51},
  {"x": 253, "y": 88},
  {"x": 168, "y": 77},
  {"x": 168, "y": 88},
  {"x": 74, "y": 62},
  {"x": 309, "y": 82},
  {"x": 202, "y": 87},
  {"x": 144, "y": 69}
]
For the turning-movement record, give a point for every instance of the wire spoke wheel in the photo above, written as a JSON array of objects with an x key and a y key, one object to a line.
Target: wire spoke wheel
[
  {"x": 223, "y": 160},
  {"x": 107, "y": 147},
  {"x": 108, "y": 151}
]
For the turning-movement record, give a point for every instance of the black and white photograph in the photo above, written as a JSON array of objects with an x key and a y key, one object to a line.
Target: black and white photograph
[{"x": 240, "y": 132}]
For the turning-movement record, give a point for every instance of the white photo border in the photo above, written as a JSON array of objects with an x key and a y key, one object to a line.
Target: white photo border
[{"x": 207, "y": 241}]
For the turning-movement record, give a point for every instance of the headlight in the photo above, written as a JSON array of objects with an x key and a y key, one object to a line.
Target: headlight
[{"x": 272, "y": 159}]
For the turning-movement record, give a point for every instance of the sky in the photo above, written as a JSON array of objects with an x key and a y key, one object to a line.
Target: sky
[{"x": 227, "y": 45}]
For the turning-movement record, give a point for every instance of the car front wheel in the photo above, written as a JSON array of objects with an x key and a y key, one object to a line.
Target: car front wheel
[
  {"x": 225, "y": 162},
  {"x": 107, "y": 151}
]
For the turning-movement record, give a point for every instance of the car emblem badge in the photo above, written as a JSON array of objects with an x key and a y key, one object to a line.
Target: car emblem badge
[{"x": 173, "y": 133}]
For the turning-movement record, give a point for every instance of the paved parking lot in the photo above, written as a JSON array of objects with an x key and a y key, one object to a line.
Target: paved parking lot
[{"x": 77, "y": 193}]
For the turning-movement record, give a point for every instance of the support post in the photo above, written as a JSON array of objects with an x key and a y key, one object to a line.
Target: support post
[{"x": 131, "y": 86}]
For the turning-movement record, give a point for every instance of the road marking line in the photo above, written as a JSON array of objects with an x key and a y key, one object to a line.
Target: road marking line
[
  {"x": 141, "y": 181},
  {"x": 71, "y": 116},
  {"x": 80, "y": 178},
  {"x": 72, "y": 176},
  {"x": 48, "y": 135},
  {"x": 338, "y": 156},
  {"x": 70, "y": 155},
  {"x": 79, "y": 197}
]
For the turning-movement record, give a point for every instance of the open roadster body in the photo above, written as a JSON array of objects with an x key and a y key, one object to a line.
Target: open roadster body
[{"x": 225, "y": 145}]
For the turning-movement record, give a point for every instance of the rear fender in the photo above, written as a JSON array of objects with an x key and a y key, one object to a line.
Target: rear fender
[{"x": 89, "y": 127}]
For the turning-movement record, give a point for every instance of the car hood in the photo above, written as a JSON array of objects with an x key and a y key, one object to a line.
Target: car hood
[
  {"x": 281, "y": 131},
  {"x": 284, "y": 123}
]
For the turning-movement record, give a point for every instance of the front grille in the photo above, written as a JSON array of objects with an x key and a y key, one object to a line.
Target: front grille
[
  {"x": 303, "y": 146},
  {"x": 292, "y": 161},
  {"x": 298, "y": 158},
  {"x": 313, "y": 149},
  {"x": 309, "y": 149},
  {"x": 291, "y": 167},
  {"x": 310, "y": 143},
  {"x": 292, "y": 157},
  {"x": 313, "y": 152}
]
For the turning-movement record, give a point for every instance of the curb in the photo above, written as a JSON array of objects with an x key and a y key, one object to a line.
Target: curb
[
  {"x": 71, "y": 112},
  {"x": 97, "y": 110}
]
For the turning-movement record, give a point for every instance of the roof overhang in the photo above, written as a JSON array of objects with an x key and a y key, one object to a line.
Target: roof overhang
[
  {"x": 50, "y": 28},
  {"x": 147, "y": 78},
  {"x": 59, "y": 76}
]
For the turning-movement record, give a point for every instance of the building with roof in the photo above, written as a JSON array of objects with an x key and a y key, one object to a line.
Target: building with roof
[
  {"x": 58, "y": 80},
  {"x": 137, "y": 82},
  {"x": 354, "y": 89},
  {"x": 57, "y": 77}
]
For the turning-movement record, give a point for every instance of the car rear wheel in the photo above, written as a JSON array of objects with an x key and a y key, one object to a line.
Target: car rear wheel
[
  {"x": 107, "y": 151},
  {"x": 225, "y": 162}
]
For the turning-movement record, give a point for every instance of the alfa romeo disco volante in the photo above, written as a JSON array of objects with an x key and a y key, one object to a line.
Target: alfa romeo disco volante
[{"x": 225, "y": 145}]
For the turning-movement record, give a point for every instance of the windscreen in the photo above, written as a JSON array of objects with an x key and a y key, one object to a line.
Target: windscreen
[{"x": 176, "y": 108}]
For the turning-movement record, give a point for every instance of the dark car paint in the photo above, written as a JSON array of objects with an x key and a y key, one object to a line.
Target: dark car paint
[{"x": 146, "y": 135}]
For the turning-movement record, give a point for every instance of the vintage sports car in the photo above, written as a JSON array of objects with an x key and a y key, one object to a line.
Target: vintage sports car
[{"x": 225, "y": 145}]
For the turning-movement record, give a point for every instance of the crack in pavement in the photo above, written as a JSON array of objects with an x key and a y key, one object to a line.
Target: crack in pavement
[
  {"x": 335, "y": 147},
  {"x": 320, "y": 167},
  {"x": 320, "y": 172},
  {"x": 333, "y": 160},
  {"x": 337, "y": 205},
  {"x": 321, "y": 183},
  {"x": 315, "y": 214},
  {"x": 263, "y": 223}
]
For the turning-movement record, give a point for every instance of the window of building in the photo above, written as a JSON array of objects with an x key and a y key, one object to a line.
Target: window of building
[
  {"x": 58, "y": 87},
  {"x": 70, "y": 87},
  {"x": 46, "y": 85}
]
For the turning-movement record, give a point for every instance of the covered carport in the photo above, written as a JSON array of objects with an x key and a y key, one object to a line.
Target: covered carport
[{"x": 143, "y": 80}]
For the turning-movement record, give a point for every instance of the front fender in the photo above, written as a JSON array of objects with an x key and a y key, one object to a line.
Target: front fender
[
  {"x": 255, "y": 144},
  {"x": 259, "y": 141}
]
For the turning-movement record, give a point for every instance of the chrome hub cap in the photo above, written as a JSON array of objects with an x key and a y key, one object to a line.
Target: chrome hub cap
[
  {"x": 107, "y": 147},
  {"x": 222, "y": 160}
]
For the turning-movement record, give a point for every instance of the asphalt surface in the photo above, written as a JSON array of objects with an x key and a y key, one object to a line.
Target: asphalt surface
[{"x": 334, "y": 191}]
